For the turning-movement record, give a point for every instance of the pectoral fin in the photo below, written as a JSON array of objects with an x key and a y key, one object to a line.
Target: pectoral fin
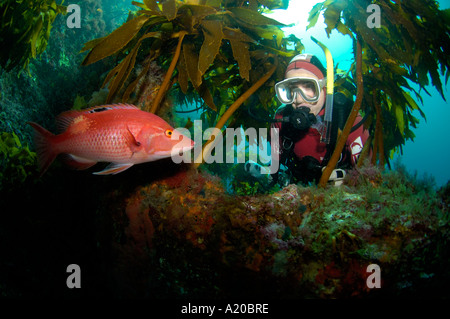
[
  {"x": 134, "y": 144},
  {"x": 114, "y": 168}
]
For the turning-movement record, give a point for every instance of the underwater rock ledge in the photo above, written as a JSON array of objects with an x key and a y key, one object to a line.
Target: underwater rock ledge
[{"x": 185, "y": 237}]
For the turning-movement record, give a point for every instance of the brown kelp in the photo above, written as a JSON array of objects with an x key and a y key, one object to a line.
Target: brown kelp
[
  {"x": 204, "y": 42},
  {"x": 409, "y": 46},
  {"x": 351, "y": 119}
]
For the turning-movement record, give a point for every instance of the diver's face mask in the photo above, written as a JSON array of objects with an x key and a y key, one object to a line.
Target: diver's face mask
[{"x": 308, "y": 88}]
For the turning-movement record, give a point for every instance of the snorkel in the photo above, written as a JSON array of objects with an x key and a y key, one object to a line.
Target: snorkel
[{"x": 326, "y": 135}]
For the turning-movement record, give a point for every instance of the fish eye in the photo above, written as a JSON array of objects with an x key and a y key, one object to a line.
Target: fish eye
[{"x": 168, "y": 133}]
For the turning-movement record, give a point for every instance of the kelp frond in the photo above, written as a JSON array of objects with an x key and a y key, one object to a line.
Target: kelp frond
[
  {"x": 25, "y": 30},
  {"x": 408, "y": 47},
  {"x": 191, "y": 38}
]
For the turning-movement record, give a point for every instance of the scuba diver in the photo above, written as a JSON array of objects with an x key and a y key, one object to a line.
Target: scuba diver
[{"x": 307, "y": 135}]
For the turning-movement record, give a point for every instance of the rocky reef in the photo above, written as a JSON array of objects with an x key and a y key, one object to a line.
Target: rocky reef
[{"x": 185, "y": 236}]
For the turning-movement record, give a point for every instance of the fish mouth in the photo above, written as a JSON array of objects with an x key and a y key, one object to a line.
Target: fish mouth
[
  {"x": 181, "y": 150},
  {"x": 173, "y": 151}
]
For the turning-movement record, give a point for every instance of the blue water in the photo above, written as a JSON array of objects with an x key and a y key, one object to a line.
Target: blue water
[{"x": 429, "y": 153}]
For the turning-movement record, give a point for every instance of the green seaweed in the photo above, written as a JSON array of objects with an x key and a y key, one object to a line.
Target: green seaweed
[
  {"x": 18, "y": 163},
  {"x": 25, "y": 30}
]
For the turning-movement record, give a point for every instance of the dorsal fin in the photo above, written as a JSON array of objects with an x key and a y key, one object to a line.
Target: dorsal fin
[
  {"x": 102, "y": 108},
  {"x": 65, "y": 119}
]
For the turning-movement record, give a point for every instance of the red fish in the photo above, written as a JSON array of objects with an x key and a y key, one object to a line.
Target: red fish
[{"x": 120, "y": 134}]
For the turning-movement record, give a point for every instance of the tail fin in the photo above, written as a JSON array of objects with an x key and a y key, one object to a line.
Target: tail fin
[{"x": 44, "y": 147}]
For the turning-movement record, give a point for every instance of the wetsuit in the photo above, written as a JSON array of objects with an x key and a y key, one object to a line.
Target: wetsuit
[{"x": 305, "y": 155}]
